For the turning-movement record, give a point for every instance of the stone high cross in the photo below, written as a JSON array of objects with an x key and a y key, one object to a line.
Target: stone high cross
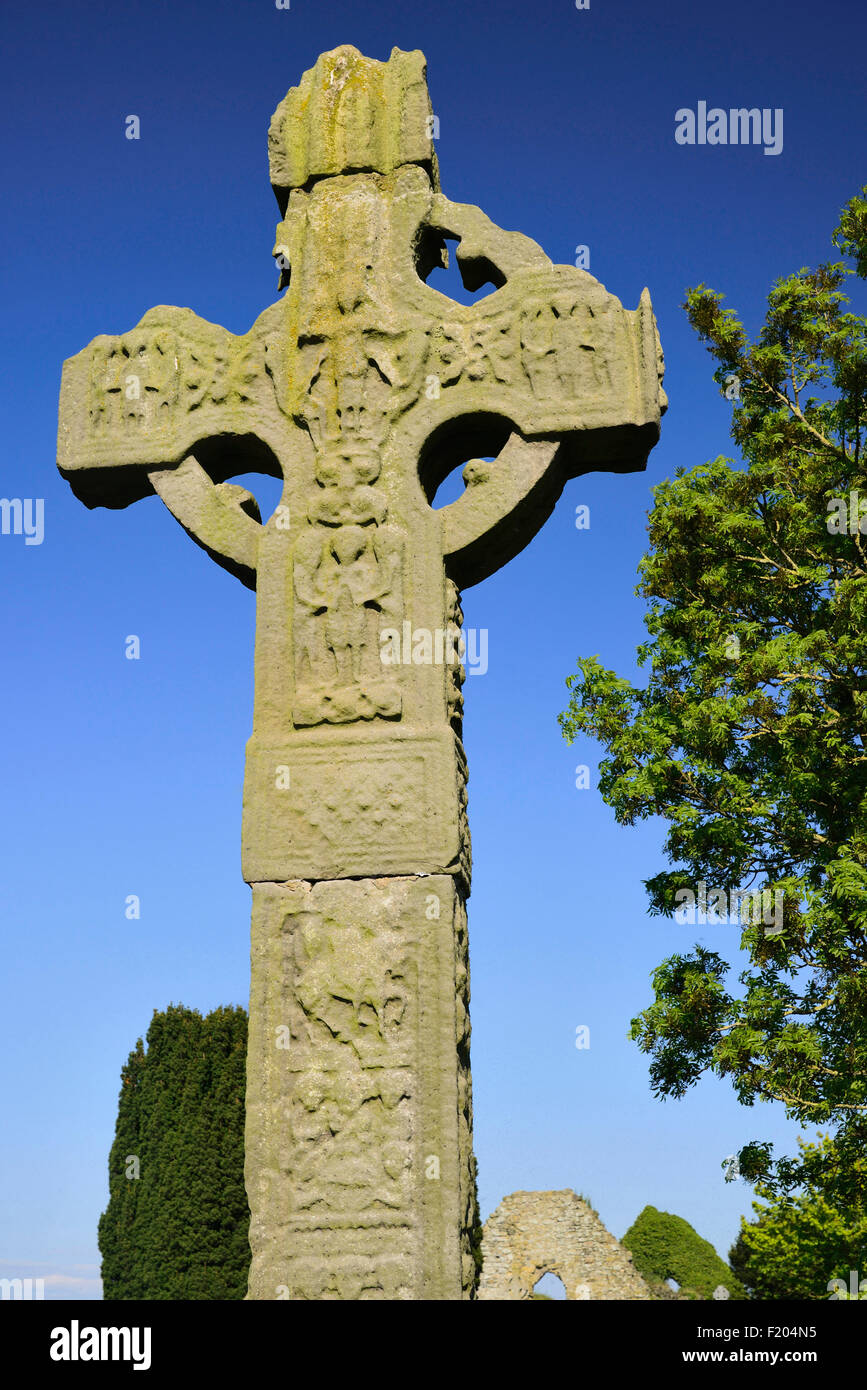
[{"x": 362, "y": 388}]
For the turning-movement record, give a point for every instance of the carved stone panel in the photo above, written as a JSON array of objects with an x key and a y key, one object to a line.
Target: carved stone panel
[
  {"x": 327, "y": 807},
  {"x": 359, "y": 1104},
  {"x": 348, "y": 587}
]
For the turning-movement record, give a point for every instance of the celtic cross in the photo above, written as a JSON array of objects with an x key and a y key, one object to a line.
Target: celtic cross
[{"x": 361, "y": 388}]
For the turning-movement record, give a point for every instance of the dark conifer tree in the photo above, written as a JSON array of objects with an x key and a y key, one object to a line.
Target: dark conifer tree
[
  {"x": 117, "y": 1225},
  {"x": 179, "y": 1230}
]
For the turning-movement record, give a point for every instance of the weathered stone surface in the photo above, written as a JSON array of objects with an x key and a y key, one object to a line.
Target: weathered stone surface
[
  {"x": 351, "y": 113},
  {"x": 359, "y": 1105},
  {"x": 361, "y": 389},
  {"x": 536, "y": 1233}
]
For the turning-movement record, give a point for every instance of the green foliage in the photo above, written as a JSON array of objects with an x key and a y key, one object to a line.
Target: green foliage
[
  {"x": 118, "y": 1224},
  {"x": 750, "y": 736},
  {"x": 180, "y": 1229},
  {"x": 797, "y": 1245},
  {"x": 477, "y": 1231},
  {"x": 666, "y": 1247}
]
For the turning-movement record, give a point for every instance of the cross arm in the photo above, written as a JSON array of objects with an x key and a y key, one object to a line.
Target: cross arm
[
  {"x": 175, "y": 407},
  {"x": 552, "y": 375}
]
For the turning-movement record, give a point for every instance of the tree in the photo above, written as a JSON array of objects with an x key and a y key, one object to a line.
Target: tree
[
  {"x": 749, "y": 736},
  {"x": 117, "y": 1225},
  {"x": 666, "y": 1247},
  {"x": 477, "y": 1230},
  {"x": 797, "y": 1245},
  {"x": 176, "y": 1225}
]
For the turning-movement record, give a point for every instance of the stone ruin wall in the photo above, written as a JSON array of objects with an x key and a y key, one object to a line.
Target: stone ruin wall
[{"x": 536, "y": 1233}]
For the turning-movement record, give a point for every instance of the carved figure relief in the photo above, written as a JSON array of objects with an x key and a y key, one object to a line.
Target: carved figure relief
[
  {"x": 348, "y": 567},
  {"x": 564, "y": 349},
  {"x": 354, "y": 987},
  {"x": 351, "y": 1115},
  {"x": 348, "y": 587},
  {"x": 131, "y": 379}
]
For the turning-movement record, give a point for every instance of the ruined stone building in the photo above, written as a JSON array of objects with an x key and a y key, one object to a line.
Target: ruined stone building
[{"x": 532, "y": 1234}]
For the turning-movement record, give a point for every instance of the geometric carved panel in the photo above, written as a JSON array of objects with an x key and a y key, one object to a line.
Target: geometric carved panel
[{"x": 351, "y": 808}]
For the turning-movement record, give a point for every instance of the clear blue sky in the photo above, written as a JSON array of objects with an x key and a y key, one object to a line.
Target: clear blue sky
[{"x": 124, "y": 777}]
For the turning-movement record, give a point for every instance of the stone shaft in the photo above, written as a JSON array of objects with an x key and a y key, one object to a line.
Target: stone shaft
[{"x": 359, "y": 1146}]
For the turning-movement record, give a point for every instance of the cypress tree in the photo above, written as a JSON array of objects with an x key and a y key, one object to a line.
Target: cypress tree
[
  {"x": 180, "y": 1230},
  {"x": 117, "y": 1225}
]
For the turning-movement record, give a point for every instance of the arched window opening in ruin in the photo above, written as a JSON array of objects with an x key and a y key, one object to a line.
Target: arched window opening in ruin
[{"x": 549, "y": 1286}]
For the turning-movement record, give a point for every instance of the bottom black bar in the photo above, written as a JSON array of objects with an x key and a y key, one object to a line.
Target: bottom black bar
[{"x": 61, "y": 1339}]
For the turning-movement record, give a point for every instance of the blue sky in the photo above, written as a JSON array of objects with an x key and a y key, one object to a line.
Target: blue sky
[{"x": 124, "y": 777}]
